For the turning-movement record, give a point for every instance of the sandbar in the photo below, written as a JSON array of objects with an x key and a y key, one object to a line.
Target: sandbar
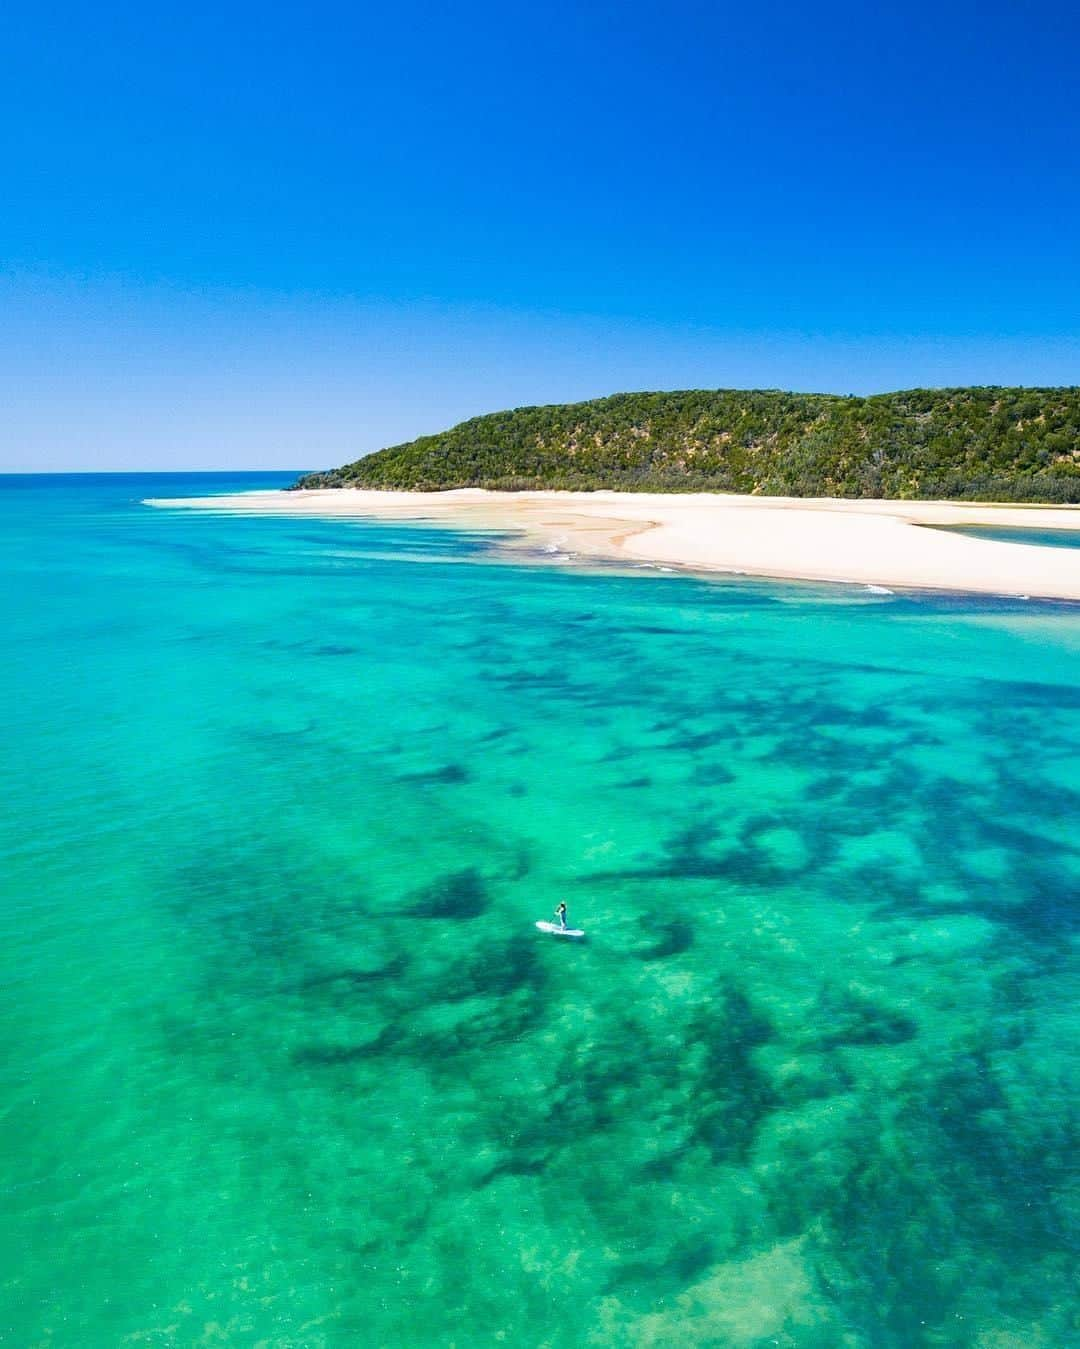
[{"x": 892, "y": 544}]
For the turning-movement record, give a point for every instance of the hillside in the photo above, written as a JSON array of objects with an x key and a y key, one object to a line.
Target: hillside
[{"x": 988, "y": 444}]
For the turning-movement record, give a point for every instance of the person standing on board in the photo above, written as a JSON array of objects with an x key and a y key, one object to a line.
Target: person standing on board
[{"x": 560, "y": 913}]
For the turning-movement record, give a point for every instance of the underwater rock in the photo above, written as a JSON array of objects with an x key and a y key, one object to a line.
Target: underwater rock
[
  {"x": 459, "y": 894},
  {"x": 451, "y": 775},
  {"x": 677, "y": 936}
]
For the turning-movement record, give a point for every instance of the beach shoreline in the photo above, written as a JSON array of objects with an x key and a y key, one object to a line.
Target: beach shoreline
[{"x": 892, "y": 544}]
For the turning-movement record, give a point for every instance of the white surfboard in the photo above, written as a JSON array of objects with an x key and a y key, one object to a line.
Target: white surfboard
[{"x": 558, "y": 931}]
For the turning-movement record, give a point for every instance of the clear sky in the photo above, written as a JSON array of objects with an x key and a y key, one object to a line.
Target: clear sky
[{"x": 279, "y": 236}]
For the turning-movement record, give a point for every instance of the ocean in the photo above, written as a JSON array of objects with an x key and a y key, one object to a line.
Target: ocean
[{"x": 288, "y": 1064}]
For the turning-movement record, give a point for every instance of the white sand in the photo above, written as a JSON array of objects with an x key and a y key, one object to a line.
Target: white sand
[{"x": 873, "y": 542}]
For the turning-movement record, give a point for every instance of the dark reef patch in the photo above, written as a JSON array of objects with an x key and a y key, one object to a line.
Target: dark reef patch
[
  {"x": 1034, "y": 903},
  {"x": 458, "y": 894},
  {"x": 451, "y": 775},
  {"x": 842, "y": 1017},
  {"x": 682, "y": 1265},
  {"x": 677, "y": 936},
  {"x": 699, "y": 1075},
  {"x": 495, "y": 971},
  {"x": 712, "y": 775},
  {"x": 1017, "y": 694},
  {"x": 338, "y": 1055},
  {"x": 691, "y": 855},
  {"x": 354, "y": 978},
  {"x": 735, "y": 1095}
]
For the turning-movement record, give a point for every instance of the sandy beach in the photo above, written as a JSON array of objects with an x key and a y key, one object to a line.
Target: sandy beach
[{"x": 905, "y": 544}]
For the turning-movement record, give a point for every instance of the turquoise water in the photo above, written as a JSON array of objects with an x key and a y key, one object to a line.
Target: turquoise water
[
  {"x": 1044, "y": 538},
  {"x": 287, "y": 1063}
]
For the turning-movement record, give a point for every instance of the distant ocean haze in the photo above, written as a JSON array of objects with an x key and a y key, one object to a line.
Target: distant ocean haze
[{"x": 288, "y": 1060}]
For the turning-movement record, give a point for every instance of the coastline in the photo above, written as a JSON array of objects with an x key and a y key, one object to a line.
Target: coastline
[{"x": 880, "y": 543}]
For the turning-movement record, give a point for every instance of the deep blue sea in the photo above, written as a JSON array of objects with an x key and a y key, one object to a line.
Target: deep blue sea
[{"x": 287, "y": 1064}]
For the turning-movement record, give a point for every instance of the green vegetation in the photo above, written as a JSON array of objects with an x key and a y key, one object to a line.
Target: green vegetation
[{"x": 981, "y": 444}]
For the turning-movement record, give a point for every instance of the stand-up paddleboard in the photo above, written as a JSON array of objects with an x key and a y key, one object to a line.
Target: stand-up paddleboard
[{"x": 557, "y": 931}]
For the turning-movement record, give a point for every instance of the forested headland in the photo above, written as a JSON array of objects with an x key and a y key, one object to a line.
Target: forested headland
[{"x": 976, "y": 444}]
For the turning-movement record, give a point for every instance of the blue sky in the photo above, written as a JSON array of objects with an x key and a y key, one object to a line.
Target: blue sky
[{"x": 262, "y": 236}]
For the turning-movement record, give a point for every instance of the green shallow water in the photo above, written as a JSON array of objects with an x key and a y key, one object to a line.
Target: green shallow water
[{"x": 287, "y": 1064}]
